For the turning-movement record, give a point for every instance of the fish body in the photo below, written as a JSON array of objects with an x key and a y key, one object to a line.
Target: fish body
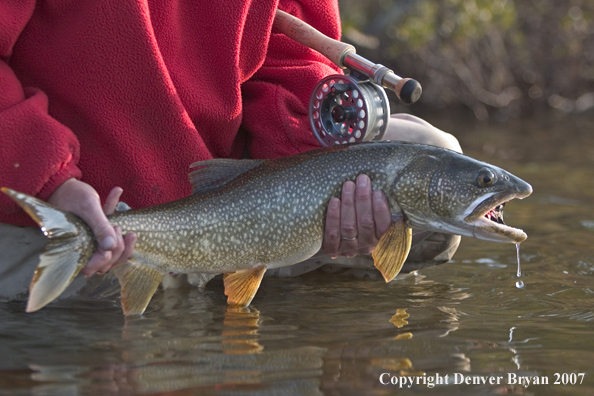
[
  {"x": 273, "y": 214},
  {"x": 246, "y": 216}
]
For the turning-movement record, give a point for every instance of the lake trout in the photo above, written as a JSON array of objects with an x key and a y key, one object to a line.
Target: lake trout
[{"x": 246, "y": 216}]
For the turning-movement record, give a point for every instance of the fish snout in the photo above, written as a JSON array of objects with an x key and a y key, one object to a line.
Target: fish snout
[{"x": 522, "y": 188}]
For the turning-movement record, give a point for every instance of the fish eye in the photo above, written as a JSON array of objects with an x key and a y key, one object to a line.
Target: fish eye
[{"x": 486, "y": 177}]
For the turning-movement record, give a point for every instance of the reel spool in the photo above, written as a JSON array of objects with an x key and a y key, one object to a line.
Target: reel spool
[{"x": 344, "y": 109}]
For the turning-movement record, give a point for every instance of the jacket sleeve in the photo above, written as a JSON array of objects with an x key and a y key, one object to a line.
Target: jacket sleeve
[
  {"x": 276, "y": 98},
  {"x": 37, "y": 153}
]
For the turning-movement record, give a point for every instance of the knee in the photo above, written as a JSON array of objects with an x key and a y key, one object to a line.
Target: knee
[
  {"x": 408, "y": 128},
  {"x": 450, "y": 142}
]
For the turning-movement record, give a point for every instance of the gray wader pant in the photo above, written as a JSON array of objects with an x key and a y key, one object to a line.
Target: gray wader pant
[{"x": 20, "y": 248}]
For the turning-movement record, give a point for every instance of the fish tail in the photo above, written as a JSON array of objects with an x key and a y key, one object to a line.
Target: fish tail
[{"x": 70, "y": 246}]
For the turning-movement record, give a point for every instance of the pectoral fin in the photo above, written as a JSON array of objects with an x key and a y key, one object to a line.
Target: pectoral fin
[
  {"x": 392, "y": 249},
  {"x": 241, "y": 286},
  {"x": 138, "y": 282}
]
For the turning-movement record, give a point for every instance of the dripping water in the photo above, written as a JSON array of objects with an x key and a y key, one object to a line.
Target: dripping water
[{"x": 519, "y": 284}]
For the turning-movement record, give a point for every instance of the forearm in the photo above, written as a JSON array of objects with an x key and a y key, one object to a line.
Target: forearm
[
  {"x": 37, "y": 153},
  {"x": 276, "y": 98}
]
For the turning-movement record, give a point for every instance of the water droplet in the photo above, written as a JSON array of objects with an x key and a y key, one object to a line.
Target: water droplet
[
  {"x": 520, "y": 284},
  {"x": 518, "y": 250}
]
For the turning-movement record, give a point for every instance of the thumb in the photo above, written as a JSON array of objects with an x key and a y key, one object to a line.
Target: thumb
[
  {"x": 105, "y": 237},
  {"x": 102, "y": 228}
]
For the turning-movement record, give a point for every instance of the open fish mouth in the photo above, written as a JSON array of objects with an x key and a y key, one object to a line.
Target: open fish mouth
[{"x": 487, "y": 219}]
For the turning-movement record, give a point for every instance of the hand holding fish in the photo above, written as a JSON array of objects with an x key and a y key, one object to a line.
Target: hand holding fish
[
  {"x": 356, "y": 222},
  {"x": 81, "y": 199}
]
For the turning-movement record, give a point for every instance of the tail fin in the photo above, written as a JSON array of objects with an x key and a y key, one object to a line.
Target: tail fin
[{"x": 71, "y": 244}]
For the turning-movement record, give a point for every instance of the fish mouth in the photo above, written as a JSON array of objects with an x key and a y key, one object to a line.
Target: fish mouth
[{"x": 487, "y": 219}]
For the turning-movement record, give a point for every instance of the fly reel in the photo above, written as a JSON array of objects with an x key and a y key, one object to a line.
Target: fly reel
[
  {"x": 347, "y": 108},
  {"x": 344, "y": 109}
]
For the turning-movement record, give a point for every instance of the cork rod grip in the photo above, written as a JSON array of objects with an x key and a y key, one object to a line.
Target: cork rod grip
[{"x": 312, "y": 38}]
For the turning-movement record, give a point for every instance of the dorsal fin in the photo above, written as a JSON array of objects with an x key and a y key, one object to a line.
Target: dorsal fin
[{"x": 215, "y": 173}]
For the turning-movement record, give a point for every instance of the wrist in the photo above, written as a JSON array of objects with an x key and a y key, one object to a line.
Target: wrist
[{"x": 69, "y": 172}]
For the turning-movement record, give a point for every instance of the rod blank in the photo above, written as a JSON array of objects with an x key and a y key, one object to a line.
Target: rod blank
[{"x": 344, "y": 56}]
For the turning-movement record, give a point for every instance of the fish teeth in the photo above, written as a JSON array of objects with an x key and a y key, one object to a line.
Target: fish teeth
[{"x": 496, "y": 214}]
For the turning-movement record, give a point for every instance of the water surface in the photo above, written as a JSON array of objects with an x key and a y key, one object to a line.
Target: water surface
[{"x": 329, "y": 334}]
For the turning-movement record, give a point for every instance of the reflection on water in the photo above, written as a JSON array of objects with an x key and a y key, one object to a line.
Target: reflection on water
[
  {"x": 328, "y": 334},
  {"x": 399, "y": 318}
]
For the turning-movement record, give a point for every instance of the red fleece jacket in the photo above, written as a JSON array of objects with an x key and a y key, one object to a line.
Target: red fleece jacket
[{"x": 130, "y": 93}]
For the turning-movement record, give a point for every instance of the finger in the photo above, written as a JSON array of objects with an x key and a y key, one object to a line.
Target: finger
[
  {"x": 331, "y": 242},
  {"x": 99, "y": 259},
  {"x": 365, "y": 221},
  {"x": 93, "y": 215},
  {"x": 112, "y": 200},
  {"x": 348, "y": 220},
  {"x": 381, "y": 213},
  {"x": 115, "y": 253},
  {"x": 129, "y": 242}
]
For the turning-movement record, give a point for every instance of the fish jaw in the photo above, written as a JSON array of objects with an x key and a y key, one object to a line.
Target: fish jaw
[{"x": 482, "y": 217}]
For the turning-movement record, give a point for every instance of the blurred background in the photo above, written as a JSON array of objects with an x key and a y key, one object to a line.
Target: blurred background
[{"x": 494, "y": 60}]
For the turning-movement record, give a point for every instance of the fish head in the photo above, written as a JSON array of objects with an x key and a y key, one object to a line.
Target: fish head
[{"x": 444, "y": 191}]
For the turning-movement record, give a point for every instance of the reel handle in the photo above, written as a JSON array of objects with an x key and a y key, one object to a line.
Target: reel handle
[{"x": 344, "y": 56}]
